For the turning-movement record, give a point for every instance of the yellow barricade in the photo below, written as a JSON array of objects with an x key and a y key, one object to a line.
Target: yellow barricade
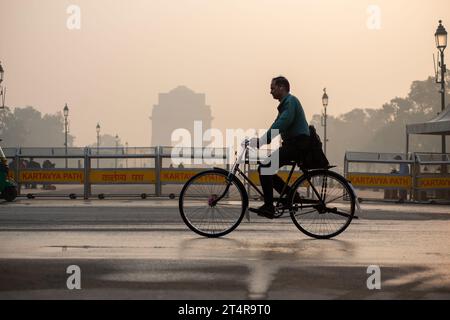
[
  {"x": 183, "y": 175},
  {"x": 180, "y": 175},
  {"x": 143, "y": 176},
  {"x": 52, "y": 176},
  {"x": 380, "y": 181},
  {"x": 433, "y": 183}
]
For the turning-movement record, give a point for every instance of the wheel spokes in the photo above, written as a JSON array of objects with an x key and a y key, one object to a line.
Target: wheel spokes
[
  {"x": 203, "y": 213},
  {"x": 325, "y": 212}
]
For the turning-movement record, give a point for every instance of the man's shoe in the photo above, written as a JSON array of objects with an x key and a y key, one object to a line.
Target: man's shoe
[{"x": 266, "y": 211}]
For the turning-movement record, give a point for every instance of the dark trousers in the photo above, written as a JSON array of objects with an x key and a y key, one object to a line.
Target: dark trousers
[{"x": 288, "y": 152}]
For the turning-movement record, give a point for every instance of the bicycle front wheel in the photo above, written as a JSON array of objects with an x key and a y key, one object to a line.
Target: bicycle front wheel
[
  {"x": 212, "y": 206},
  {"x": 326, "y": 204}
]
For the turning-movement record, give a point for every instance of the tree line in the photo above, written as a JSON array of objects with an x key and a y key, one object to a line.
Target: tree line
[{"x": 384, "y": 129}]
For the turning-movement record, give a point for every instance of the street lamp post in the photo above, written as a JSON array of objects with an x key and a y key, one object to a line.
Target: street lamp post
[
  {"x": 66, "y": 114},
  {"x": 97, "y": 128},
  {"x": 324, "y": 121},
  {"x": 441, "y": 44}
]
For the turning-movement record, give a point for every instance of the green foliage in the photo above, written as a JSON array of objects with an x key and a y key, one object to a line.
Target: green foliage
[
  {"x": 27, "y": 127},
  {"x": 384, "y": 129}
]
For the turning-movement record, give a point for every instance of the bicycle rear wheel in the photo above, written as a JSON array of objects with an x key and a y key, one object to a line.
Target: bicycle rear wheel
[
  {"x": 210, "y": 205},
  {"x": 326, "y": 205}
]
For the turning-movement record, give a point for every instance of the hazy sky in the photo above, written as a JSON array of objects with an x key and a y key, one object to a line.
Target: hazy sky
[{"x": 126, "y": 52}]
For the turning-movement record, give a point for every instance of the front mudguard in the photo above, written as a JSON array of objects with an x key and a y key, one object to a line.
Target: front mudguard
[
  {"x": 240, "y": 186},
  {"x": 233, "y": 177}
]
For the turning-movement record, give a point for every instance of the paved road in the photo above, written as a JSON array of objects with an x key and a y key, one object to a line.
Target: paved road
[{"x": 142, "y": 250}]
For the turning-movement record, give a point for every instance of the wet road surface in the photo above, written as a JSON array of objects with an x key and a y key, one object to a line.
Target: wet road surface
[{"x": 142, "y": 250}]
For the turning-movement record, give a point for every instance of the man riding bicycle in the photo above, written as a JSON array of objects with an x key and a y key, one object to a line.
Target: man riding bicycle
[
  {"x": 320, "y": 202},
  {"x": 291, "y": 124}
]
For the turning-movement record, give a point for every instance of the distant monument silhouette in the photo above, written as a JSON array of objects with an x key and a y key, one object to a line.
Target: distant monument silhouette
[{"x": 178, "y": 109}]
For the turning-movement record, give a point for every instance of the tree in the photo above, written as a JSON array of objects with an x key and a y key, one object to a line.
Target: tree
[
  {"x": 26, "y": 127},
  {"x": 426, "y": 96},
  {"x": 10, "y": 129},
  {"x": 384, "y": 129}
]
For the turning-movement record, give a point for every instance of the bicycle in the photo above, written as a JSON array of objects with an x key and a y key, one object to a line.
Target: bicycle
[{"x": 213, "y": 203}]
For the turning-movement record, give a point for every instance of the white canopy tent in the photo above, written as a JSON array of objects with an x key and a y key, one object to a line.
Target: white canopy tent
[{"x": 437, "y": 126}]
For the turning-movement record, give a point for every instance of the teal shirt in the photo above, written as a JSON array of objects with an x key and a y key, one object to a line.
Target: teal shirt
[{"x": 291, "y": 120}]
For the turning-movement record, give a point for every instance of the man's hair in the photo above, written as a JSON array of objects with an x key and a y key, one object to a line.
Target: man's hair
[{"x": 282, "y": 82}]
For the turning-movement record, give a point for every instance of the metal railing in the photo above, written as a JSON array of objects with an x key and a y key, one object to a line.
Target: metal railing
[
  {"x": 87, "y": 167},
  {"x": 420, "y": 175},
  {"x": 400, "y": 175}
]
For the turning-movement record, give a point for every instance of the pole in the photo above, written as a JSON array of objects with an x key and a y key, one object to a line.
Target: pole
[
  {"x": 158, "y": 165},
  {"x": 407, "y": 143},
  {"x": 443, "y": 147},
  {"x": 87, "y": 170},
  {"x": 443, "y": 70},
  {"x": 116, "y": 153},
  {"x": 325, "y": 132},
  {"x": 98, "y": 149},
  {"x": 126, "y": 154},
  {"x": 65, "y": 138},
  {"x": 17, "y": 171}
]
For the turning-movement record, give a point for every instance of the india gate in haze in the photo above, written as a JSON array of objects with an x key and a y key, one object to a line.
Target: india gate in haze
[{"x": 176, "y": 109}]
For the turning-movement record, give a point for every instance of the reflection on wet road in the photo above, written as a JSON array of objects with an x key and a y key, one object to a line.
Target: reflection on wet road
[{"x": 146, "y": 252}]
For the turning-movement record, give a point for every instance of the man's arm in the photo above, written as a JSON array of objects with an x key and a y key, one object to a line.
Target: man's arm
[{"x": 283, "y": 122}]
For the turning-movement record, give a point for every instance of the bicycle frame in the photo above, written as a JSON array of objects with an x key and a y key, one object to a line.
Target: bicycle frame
[
  {"x": 307, "y": 200},
  {"x": 242, "y": 158}
]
